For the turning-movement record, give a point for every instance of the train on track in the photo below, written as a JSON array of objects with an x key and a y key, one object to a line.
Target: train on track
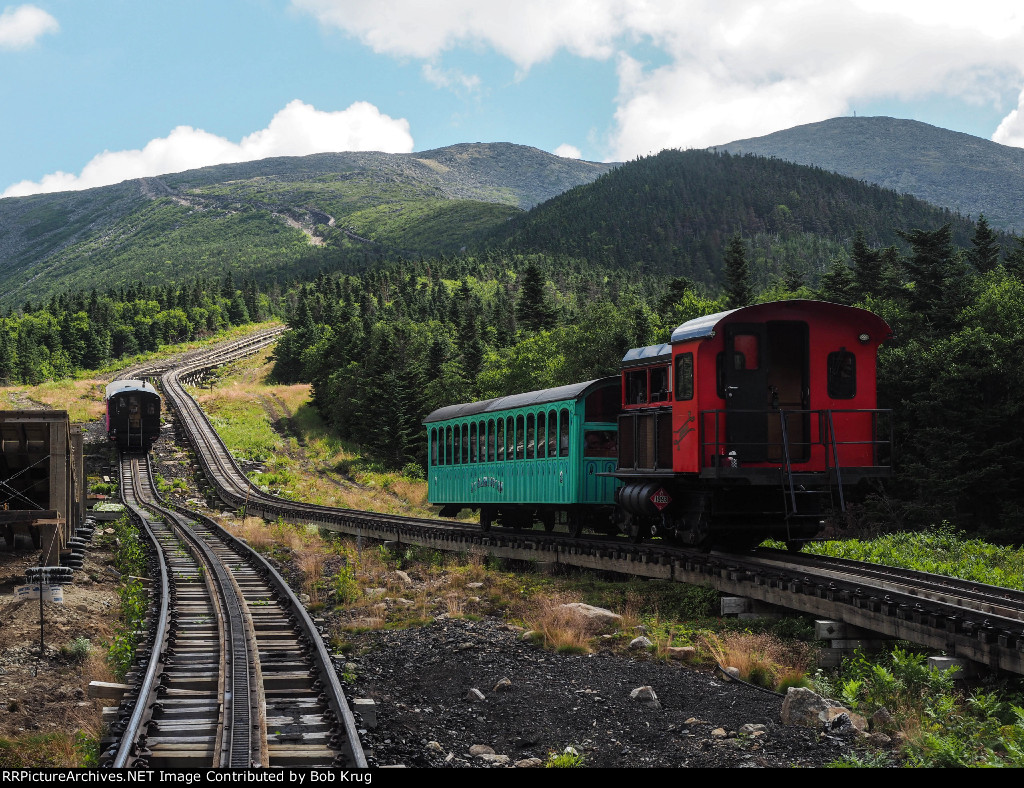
[
  {"x": 748, "y": 424},
  {"x": 133, "y": 414}
]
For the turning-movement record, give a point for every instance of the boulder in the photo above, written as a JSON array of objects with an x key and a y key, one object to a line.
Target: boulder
[
  {"x": 647, "y": 696},
  {"x": 598, "y": 617}
]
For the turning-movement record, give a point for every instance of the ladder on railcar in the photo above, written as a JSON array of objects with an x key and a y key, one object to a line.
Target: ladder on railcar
[{"x": 794, "y": 491}]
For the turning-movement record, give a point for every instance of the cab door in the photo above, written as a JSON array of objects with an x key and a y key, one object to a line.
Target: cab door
[{"x": 745, "y": 385}]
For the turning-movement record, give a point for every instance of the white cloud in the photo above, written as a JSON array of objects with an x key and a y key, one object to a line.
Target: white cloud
[
  {"x": 21, "y": 26},
  {"x": 452, "y": 79},
  {"x": 735, "y": 68},
  {"x": 567, "y": 151},
  {"x": 297, "y": 130},
  {"x": 1011, "y": 130},
  {"x": 526, "y": 32}
]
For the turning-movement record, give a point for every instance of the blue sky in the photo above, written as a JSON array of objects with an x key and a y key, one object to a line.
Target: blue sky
[{"x": 97, "y": 92}]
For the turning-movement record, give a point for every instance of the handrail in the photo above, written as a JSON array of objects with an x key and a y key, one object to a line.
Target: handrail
[
  {"x": 835, "y": 453},
  {"x": 712, "y": 421}
]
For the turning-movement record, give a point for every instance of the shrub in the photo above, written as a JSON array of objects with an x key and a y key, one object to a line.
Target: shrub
[{"x": 568, "y": 758}]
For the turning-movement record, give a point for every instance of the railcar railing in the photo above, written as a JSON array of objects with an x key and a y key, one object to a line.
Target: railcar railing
[{"x": 826, "y": 440}]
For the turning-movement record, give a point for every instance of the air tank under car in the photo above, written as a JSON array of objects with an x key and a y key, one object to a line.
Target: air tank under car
[{"x": 133, "y": 415}]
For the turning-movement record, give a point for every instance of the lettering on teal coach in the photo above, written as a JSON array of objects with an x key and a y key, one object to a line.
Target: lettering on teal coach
[{"x": 487, "y": 481}]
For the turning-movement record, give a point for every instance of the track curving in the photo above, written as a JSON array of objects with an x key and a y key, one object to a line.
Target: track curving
[
  {"x": 237, "y": 675},
  {"x": 984, "y": 624}
]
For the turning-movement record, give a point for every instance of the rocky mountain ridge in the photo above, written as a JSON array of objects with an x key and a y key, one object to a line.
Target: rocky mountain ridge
[{"x": 950, "y": 169}]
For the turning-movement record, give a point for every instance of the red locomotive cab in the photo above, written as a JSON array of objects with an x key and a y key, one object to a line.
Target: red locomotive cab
[
  {"x": 750, "y": 423},
  {"x": 788, "y": 384}
]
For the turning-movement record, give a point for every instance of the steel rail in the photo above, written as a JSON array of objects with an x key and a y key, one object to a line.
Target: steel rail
[
  {"x": 141, "y": 710},
  {"x": 864, "y": 598}
]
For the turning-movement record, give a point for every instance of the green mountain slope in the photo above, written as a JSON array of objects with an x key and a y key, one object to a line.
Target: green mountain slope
[
  {"x": 947, "y": 168},
  {"x": 287, "y": 216},
  {"x": 674, "y": 213}
]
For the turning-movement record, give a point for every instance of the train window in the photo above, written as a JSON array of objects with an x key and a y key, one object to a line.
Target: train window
[
  {"x": 473, "y": 438},
  {"x": 500, "y": 440},
  {"x": 490, "y": 441},
  {"x": 482, "y": 443},
  {"x": 465, "y": 443},
  {"x": 684, "y": 376},
  {"x": 531, "y": 437},
  {"x": 747, "y": 346},
  {"x": 659, "y": 384},
  {"x": 449, "y": 448},
  {"x": 433, "y": 446},
  {"x": 510, "y": 438},
  {"x": 552, "y": 434},
  {"x": 520, "y": 438},
  {"x": 842, "y": 374},
  {"x": 542, "y": 436},
  {"x": 636, "y": 387},
  {"x": 600, "y": 443},
  {"x": 563, "y": 433}
]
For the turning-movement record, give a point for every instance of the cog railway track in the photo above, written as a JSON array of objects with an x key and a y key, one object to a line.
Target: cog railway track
[
  {"x": 980, "y": 623},
  {"x": 238, "y": 674}
]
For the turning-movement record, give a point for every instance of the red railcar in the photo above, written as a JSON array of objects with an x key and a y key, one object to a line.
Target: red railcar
[{"x": 751, "y": 423}]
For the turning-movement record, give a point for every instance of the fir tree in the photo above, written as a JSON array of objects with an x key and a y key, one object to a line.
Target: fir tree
[
  {"x": 534, "y": 311},
  {"x": 867, "y": 266},
  {"x": 985, "y": 254},
  {"x": 738, "y": 290}
]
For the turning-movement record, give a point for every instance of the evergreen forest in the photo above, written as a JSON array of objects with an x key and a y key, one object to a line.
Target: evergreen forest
[
  {"x": 385, "y": 348},
  {"x": 562, "y": 291}
]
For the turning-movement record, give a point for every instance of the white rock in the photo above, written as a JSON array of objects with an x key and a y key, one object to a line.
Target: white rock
[{"x": 647, "y": 696}]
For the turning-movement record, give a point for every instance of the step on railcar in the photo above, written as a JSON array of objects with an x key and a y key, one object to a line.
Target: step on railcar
[
  {"x": 539, "y": 457},
  {"x": 133, "y": 414}
]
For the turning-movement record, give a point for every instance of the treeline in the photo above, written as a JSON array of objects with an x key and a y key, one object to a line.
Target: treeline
[
  {"x": 674, "y": 212},
  {"x": 76, "y": 331},
  {"x": 385, "y": 348}
]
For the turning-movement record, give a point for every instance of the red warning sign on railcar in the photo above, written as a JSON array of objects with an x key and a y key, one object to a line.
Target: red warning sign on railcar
[{"x": 661, "y": 499}]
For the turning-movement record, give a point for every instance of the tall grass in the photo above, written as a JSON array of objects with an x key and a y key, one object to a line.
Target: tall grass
[{"x": 314, "y": 466}]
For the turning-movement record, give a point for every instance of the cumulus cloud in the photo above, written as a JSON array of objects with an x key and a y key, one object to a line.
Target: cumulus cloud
[
  {"x": 297, "y": 130},
  {"x": 727, "y": 69},
  {"x": 21, "y": 26},
  {"x": 567, "y": 151},
  {"x": 526, "y": 32},
  {"x": 1011, "y": 130}
]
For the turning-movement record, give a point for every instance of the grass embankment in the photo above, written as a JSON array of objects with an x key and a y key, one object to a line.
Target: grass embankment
[
  {"x": 82, "y": 395},
  {"x": 277, "y": 426},
  {"x": 940, "y": 550}
]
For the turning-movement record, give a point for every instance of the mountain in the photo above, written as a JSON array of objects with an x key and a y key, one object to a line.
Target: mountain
[
  {"x": 966, "y": 174},
  {"x": 286, "y": 216},
  {"x": 674, "y": 213}
]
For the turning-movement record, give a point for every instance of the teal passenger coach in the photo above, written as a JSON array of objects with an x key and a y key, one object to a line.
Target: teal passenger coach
[{"x": 526, "y": 458}]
